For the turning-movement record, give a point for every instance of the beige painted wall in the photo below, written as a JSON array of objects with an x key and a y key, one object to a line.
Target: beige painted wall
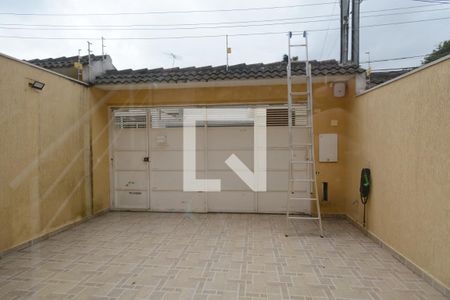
[
  {"x": 326, "y": 108},
  {"x": 44, "y": 174},
  {"x": 402, "y": 132}
]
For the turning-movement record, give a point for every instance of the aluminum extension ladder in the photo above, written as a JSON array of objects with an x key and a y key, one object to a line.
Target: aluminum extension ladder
[{"x": 298, "y": 102}]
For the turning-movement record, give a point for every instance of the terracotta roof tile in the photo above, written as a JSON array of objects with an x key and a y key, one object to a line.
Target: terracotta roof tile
[
  {"x": 377, "y": 78},
  {"x": 235, "y": 72},
  {"x": 62, "y": 62}
]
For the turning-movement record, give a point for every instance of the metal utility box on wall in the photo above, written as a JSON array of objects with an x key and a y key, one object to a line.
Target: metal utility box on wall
[
  {"x": 339, "y": 89},
  {"x": 328, "y": 147}
]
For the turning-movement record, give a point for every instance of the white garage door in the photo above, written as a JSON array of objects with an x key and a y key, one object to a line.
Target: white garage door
[
  {"x": 129, "y": 165},
  {"x": 160, "y": 180}
]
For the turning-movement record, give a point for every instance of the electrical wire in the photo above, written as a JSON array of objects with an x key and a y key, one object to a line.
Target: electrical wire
[
  {"x": 172, "y": 28},
  {"x": 213, "y": 35},
  {"x": 165, "y": 12},
  {"x": 393, "y": 59},
  {"x": 199, "y": 27},
  {"x": 101, "y": 26},
  {"x": 395, "y": 69},
  {"x": 434, "y": 1},
  {"x": 326, "y": 33}
]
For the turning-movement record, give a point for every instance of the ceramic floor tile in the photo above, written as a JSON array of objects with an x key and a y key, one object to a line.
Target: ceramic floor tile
[{"x": 207, "y": 256}]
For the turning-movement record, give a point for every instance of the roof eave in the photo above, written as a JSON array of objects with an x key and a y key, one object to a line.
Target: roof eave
[{"x": 221, "y": 83}]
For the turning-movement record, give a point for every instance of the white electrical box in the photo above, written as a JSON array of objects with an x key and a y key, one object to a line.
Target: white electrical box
[
  {"x": 339, "y": 89},
  {"x": 328, "y": 147}
]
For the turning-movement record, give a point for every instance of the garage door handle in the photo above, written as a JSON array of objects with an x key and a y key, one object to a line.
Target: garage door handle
[{"x": 146, "y": 159}]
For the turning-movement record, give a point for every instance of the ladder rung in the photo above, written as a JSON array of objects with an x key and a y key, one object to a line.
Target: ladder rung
[
  {"x": 302, "y": 199},
  {"x": 304, "y": 218},
  {"x": 298, "y": 45},
  {"x": 302, "y": 126},
  {"x": 301, "y": 180},
  {"x": 302, "y": 161},
  {"x": 301, "y": 145},
  {"x": 299, "y": 93}
]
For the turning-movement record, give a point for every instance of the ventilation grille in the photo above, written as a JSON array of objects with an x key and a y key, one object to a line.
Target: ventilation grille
[
  {"x": 230, "y": 116},
  {"x": 214, "y": 117},
  {"x": 130, "y": 120},
  {"x": 279, "y": 116},
  {"x": 301, "y": 114},
  {"x": 167, "y": 117}
]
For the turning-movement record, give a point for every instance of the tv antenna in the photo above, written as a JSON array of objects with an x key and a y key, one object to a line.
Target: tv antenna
[{"x": 173, "y": 56}]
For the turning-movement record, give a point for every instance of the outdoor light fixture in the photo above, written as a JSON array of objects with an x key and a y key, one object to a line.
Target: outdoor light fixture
[{"x": 37, "y": 85}]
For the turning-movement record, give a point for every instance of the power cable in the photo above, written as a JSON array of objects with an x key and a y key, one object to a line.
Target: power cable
[
  {"x": 213, "y": 35},
  {"x": 165, "y": 12},
  {"x": 394, "y": 69},
  {"x": 100, "y": 26},
  {"x": 326, "y": 33},
  {"x": 196, "y": 27},
  {"x": 393, "y": 59}
]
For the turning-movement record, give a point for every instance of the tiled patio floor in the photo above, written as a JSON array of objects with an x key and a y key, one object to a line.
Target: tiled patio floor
[{"x": 207, "y": 256}]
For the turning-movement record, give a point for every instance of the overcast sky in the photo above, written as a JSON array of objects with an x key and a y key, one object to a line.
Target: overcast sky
[{"x": 382, "y": 42}]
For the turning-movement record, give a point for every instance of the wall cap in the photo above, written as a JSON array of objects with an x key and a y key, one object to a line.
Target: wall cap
[
  {"x": 431, "y": 64},
  {"x": 43, "y": 69}
]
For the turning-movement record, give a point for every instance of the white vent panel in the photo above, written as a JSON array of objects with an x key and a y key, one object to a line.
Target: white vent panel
[{"x": 130, "y": 119}]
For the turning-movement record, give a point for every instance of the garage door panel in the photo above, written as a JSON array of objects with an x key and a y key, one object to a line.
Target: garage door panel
[
  {"x": 231, "y": 202},
  {"x": 131, "y": 180},
  {"x": 277, "y": 181},
  {"x": 129, "y": 142},
  {"x": 169, "y": 180},
  {"x": 275, "y": 202},
  {"x": 300, "y": 207},
  {"x": 130, "y": 160},
  {"x": 279, "y": 159},
  {"x": 173, "y": 160},
  {"x": 300, "y": 155},
  {"x": 230, "y": 181},
  {"x": 230, "y": 138},
  {"x": 130, "y": 139},
  {"x": 131, "y": 199},
  {"x": 278, "y": 136},
  {"x": 217, "y": 158},
  {"x": 272, "y": 202},
  {"x": 299, "y": 135},
  {"x": 174, "y": 138},
  {"x": 178, "y": 201}
]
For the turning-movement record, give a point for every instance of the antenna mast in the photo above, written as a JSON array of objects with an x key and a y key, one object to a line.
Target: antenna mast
[
  {"x": 89, "y": 60},
  {"x": 103, "y": 48},
  {"x": 79, "y": 64},
  {"x": 226, "y": 45}
]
